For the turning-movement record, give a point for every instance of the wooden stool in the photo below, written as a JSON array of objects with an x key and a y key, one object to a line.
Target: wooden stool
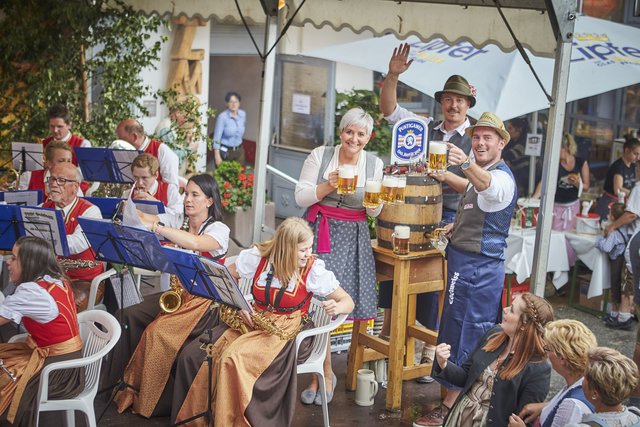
[{"x": 412, "y": 274}]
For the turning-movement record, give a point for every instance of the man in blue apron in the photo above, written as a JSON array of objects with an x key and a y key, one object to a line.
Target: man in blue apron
[
  {"x": 455, "y": 98},
  {"x": 475, "y": 253}
]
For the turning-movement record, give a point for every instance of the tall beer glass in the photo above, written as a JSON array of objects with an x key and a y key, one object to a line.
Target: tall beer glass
[
  {"x": 346, "y": 179},
  {"x": 401, "y": 235},
  {"x": 402, "y": 184},
  {"x": 371, "y": 194},
  {"x": 389, "y": 188},
  {"x": 437, "y": 156}
]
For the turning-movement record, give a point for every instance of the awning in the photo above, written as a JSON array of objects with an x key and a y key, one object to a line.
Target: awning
[{"x": 481, "y": 25}]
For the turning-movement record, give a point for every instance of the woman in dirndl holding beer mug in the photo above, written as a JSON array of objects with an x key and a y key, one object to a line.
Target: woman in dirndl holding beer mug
[{"x": 339, "y": 219}]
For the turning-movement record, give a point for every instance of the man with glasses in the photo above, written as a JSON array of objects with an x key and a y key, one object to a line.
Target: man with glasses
[
  {"x": 131, "y": 131},
  {"x": 63, "y": 183},
  {"x": 144, "y": 169}
]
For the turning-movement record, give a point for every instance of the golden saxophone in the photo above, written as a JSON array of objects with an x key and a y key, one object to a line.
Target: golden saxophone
[
  {"x": 232, "y": 317},
  {"x": 172, "y": 299}
]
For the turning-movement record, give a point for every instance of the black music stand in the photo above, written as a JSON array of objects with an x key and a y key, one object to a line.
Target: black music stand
[
  {"x": 127, "y": 247},
  {"x": 18, "y": 221},
  {"x": 25, "y": 157},
  {"x": 106, "y": 164},
  {"x": 208, "y": 279}
]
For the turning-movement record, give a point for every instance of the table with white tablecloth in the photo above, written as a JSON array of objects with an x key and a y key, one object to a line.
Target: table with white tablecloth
[
  {"x": 519, "y": 255},
  {"x": 595, "y": 260}
]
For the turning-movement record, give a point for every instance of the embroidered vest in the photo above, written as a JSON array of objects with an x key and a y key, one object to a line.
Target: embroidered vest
[
  {"x": 74, "y": 141},
  {"x": 70, "y": 224},
  {"x": 153, "y": 148},
  {"x": 36, "y": 182},
  {"x": 63, "y": 327},
  {"x": 271, "y": 299}
]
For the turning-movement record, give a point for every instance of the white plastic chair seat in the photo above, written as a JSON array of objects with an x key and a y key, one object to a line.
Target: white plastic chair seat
[
  {"x": 315, "y": 363},
  {"x": 97, "y": 343}
]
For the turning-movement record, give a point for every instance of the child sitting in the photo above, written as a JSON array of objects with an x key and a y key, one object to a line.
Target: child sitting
[{"x": 621, "y": 280}]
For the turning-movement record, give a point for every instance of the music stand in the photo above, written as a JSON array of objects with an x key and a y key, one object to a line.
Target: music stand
[
  {"x": 127, "y": 247},
  {"x": 18, "y": 221},
  {"x": 207, "y": 279},
  {"x": 25, "y": 156},
  {"x": 108, "y": 205},
  {"x": 106, "y": 164},
  {"x": 22, "y": 197}
]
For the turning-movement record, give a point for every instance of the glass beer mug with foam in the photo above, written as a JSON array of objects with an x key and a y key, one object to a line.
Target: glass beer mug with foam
[
  {"x": 371, "y": 194},
  {"x": 347, "y": 179},
  {"x": 437, "y": 156},
  {"x": 401, "y": 235},
  {"x": 389, "y": 189}
]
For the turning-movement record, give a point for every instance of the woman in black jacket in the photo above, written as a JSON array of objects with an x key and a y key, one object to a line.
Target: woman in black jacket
[{"x": 506, "y": 371}]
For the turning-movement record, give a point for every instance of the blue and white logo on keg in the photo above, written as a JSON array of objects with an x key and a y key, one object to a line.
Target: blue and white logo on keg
[{"x": 409, "y": 140}]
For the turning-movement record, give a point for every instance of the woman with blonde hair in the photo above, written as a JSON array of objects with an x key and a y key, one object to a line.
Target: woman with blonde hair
[
  {"x": 609, "y": 380},
  {"x": 506, "y": 371},
  {"x": 567, "y": 343},
  {"x": 254, "y": 374}
]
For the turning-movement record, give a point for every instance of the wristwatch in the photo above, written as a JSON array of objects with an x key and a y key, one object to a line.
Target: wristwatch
[{"x": 466, "y": 164}]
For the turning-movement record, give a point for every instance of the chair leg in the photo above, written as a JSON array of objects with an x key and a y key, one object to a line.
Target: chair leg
[
  {"x": 323, "y": 394},
  {"x": 70, "y": 417},
  {"x": 90, "y": 414}
]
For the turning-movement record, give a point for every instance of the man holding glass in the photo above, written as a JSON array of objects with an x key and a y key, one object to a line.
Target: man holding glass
[
  {"x": 455, "y": 99},
  {"x": 475, "y": 255}
]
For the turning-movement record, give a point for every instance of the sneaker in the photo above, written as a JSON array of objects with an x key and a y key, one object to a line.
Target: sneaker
[
  {"x": 625, "y": 326},
  {"x": 427, "y": 379},
  {"x": 434, "y": 418}
]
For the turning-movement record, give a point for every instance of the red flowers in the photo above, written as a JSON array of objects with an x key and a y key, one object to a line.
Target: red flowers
[{"x": 236, "y": 185}]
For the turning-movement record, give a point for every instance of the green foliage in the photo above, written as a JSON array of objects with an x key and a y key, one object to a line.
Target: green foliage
[
  {"x": 369, "y": 101},
  {"x": 186, "y": 124},
  {"x": 49, "y": 52},
  {"x": 236, "y": 185}
]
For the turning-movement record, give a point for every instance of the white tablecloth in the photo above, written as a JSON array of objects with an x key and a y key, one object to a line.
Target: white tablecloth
[
  {"x": 519, "y": 255},
  {"x": 596, "y": 260}
]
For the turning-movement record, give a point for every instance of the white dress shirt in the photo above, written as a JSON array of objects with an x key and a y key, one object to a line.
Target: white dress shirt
[{"x": 30, "y": 300}]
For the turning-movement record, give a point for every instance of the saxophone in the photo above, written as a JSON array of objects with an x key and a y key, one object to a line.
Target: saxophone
[
  {"x": 172, "y": 299},
  {"x": 231, "y": 316},
  {"x": 73, "y": 264}
]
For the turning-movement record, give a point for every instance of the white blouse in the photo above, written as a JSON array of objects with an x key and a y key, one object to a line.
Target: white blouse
[
  {"x": 218, "y": 230},
  {"x": 320, "y": 281},
  {"x": 31, "y": 300}
]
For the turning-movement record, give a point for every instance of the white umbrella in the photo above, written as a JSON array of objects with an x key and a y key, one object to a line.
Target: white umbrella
[{"x": 605, "y": 56}]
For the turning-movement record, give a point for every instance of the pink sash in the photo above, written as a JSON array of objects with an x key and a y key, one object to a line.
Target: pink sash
[{"x": 324, "y": 238}]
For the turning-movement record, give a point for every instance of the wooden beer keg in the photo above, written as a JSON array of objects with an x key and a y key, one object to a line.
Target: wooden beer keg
[{"x": 421, "y": 211}]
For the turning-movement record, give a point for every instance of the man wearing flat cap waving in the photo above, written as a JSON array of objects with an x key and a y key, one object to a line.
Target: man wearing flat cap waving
[
  {"x": 455, "y": 99},
  {"x": 475, "y": 255}
]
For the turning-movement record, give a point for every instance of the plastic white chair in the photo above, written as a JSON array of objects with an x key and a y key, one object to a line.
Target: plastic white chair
[
  {"x": 93, "y": 290},
  {"x": 315, "y": 363},
  {"x": 97, "y": 343}
]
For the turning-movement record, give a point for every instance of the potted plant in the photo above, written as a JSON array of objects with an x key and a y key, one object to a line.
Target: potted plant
[{"x": 235, "y": 182}]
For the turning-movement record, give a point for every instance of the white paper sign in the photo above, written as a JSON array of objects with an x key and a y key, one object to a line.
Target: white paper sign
[
  {"x": 534, "y": 144},
  {"x": 32, "y": 156},
  {"x": 301, "y": 103},
  {"x": 44, "y": 223}
]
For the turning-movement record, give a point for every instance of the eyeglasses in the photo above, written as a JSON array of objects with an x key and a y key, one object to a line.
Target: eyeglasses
[{"x": 59, "y": 181}]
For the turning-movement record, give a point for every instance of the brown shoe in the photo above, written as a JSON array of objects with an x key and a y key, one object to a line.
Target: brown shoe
[{"x": 433, "y": 418}]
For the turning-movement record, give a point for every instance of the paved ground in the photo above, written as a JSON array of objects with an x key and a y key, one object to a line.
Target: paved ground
[{"x": 416, "y": 398}]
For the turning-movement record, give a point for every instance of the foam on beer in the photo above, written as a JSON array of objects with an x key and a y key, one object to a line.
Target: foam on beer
[
  {"x": 346, "y": 172},
  {"x": 372, "y": 186},
  {"x": 437, "y": 147},
  {"x": 402, "y": 231},
  {"x": 390, "y": 181}
]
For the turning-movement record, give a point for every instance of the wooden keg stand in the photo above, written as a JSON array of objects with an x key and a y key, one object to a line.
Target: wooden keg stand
[{"x": 422, "y": 270}]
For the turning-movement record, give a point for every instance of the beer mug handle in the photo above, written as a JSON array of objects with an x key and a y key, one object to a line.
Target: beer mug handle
[
  {"x": 393, "y": 240},
  {"x": 374, "y": 388}
]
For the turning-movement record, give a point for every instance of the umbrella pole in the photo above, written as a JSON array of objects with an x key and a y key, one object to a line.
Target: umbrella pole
[
  {"x": 565, "y": 15},
  {"x": 532, "y": 159}
]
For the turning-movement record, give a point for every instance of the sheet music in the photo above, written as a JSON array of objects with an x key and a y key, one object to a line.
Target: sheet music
[
  {"x": 45, "y": 223},
  {"x": 131, "y": 293},
  {"x": 225, "y": 284},
  {"x": 124, "y": 158},
  {"x": 21, "y": 198},
  {"x": 33, "y": 156},
  {"x": 149, "y": 207},
  {"x": 130, "y": 216}
]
